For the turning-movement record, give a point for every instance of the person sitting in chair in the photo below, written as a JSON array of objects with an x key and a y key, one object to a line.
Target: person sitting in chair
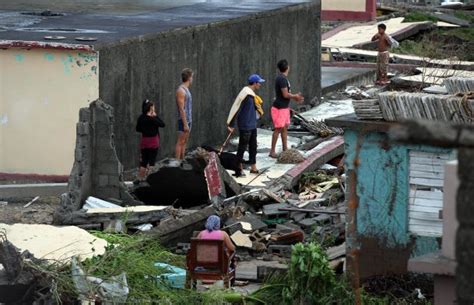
[{"x": 213, "y": 231}]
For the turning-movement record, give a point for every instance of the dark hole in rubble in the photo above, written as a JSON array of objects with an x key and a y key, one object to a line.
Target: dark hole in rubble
[{"x": 175, "y": 183}]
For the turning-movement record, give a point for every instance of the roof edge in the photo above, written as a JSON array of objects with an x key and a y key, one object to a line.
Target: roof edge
[{"x": 22, "y": 44}]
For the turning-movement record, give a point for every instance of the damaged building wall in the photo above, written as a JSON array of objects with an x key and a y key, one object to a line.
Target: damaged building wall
[
  {"x": 96, "y": 171},
  {"x": 382, "y": 236},
  {"x": 222, "y": 54},
  {"x": 41, "y": 92}
]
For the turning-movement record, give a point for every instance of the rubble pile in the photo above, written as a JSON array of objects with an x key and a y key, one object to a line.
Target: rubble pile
[
  {"x": 290, "y": 156},
  {"x": 455, "y": 85},
  {"x": 397, "y": 106}
]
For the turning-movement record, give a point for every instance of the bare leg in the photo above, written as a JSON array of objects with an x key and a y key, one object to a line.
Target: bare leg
[
  {"x": 180, "y": 145},
  {"x": 275, "y": 135},
  {"x": 142, "y": 172},
  {"x": 284, "y": 138},
  {"x": 185, "y": 142}
]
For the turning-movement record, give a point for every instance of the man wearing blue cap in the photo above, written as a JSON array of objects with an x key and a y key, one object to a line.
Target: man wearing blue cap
[{"x": 244, "y": 114}]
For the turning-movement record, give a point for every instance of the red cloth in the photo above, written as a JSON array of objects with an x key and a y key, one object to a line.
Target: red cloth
[{"x": 150, "y": 142}]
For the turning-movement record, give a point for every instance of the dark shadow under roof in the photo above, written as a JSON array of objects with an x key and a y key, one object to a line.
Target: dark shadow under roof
[{"x": 112, "y": 23}]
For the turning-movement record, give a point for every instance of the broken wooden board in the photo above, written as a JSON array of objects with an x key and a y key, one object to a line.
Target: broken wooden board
[
  {"x": 171, "y": 231},
  {"x": 131, "y": 215}
]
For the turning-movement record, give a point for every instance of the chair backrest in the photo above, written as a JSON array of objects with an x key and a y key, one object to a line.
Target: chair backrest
[{"x": 209, "y": 254}]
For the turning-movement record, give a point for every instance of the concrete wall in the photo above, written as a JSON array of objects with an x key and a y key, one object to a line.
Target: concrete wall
[
  {"x": 41, "y": 92},
  {"x": 382, "y": 239},
  {"x": 222, "y": 54},
  {"x": 362, "y": 10}
]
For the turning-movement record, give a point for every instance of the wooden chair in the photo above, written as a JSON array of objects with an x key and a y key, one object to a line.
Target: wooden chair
[{"x": 208, "y": 260}]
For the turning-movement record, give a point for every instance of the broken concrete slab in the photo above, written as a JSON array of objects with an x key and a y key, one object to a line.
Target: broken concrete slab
[
  {"x": 271, "y": 211},
  {"x": 255, "y": 223},
  {"x": 451, "y": 19},
  {"x": 319, "y": 156},
  {"x": 336, "y": 252},
  {"x": 264, "y": 141},
  {"x": 241, "y": 240},
  {"x": 171, "y": 231},
  {"x": 361, "y": 35},
  {"x": 254, "y": 270},
  {"x": 436, "y": 89},
  {"x": 329, "y": 109},
  {"x": 54, "y": 243}
]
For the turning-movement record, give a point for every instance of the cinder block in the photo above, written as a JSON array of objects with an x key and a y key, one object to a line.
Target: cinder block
[
  {"x": 103, "y": 180},
  {"x": 281, "y": 250},
  {"x": 114, "y": 179}
]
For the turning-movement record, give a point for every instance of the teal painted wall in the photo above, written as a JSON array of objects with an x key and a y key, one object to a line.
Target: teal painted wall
[{"x": 383, "y": 188}]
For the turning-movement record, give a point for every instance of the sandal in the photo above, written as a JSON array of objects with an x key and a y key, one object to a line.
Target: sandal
[
  {"x": 255, "y": 171},
  {"x": 273, "y": 156}
]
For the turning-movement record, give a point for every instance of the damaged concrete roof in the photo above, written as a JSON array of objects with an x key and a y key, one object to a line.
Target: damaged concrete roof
[{"x": 28, "y": 20}]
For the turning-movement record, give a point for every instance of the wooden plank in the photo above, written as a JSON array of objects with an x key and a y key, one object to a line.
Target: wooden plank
[
  {"x": 417, "y": 208},
  {"x": 428, "y": 155},
  {"x": 417, "y": 215},
  {"x": 426, "y": 167},
  {"x": 426, "y": 202},
  {"x": 429, "y": 175},
  {"x": 422, "y": 194},
  {"x": 427, "y": 161},
  {"x": 427, "y": 182}
]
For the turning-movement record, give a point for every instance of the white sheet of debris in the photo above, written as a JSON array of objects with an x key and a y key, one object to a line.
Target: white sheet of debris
[
  {"x": 329, "y": 109},
  {"x": 54, "y": 243}
]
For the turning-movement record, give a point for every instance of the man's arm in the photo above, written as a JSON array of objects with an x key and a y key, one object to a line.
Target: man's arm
[
  {"x": 180, "y": 98},
  {"x": 387, "y": 39},
  {"x": 376, "y": 37},
  {"x": 296, "y": 97}
]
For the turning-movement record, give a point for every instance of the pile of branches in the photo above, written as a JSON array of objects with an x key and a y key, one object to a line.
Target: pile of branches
[{"x": 318, "y": 128}]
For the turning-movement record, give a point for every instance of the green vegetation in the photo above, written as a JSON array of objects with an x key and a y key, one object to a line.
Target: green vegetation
[
  {"x": 309, "y": 280},
  {"x": 465, "y": 16},
  {"x": 417, "y": 16}
]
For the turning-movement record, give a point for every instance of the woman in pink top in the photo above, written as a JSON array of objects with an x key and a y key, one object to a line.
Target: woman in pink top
[{"x": 213, "y": 231}]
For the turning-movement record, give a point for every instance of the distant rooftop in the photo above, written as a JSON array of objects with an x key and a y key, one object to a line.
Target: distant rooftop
[{"x": 102, "y": 22}]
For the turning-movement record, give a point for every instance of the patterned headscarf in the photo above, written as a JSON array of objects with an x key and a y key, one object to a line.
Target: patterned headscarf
[{"x": 213, "y": 223}]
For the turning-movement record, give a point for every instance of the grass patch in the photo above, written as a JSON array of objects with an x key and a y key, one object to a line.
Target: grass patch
[
  {"x": 465, "y": 16},
  {"x": 418, "y": 16}
]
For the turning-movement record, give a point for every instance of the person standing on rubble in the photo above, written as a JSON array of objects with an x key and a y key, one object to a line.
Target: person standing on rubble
[
  {"x": 148, "y": 125},
  {"x": 244, "y": 114},
  {"x": 280, "y": 111},
  {"x": 383, "y": 57},
  {"x": 184, "y": 101}
]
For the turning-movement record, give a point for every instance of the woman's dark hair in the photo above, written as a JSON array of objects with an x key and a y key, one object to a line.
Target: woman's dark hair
[
  {"x": 282, "y": 65},
  {"x": 146, "y": 106},
  {"x": 382, "y": 26}
]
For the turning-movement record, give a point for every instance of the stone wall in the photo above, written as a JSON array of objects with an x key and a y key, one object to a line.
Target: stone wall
[{"x": 222, "y": 54}]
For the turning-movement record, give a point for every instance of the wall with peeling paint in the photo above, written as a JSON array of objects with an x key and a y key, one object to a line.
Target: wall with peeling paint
[
  {"x": 41, "y": 92},
  {"x": 382, "y": 239}
]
